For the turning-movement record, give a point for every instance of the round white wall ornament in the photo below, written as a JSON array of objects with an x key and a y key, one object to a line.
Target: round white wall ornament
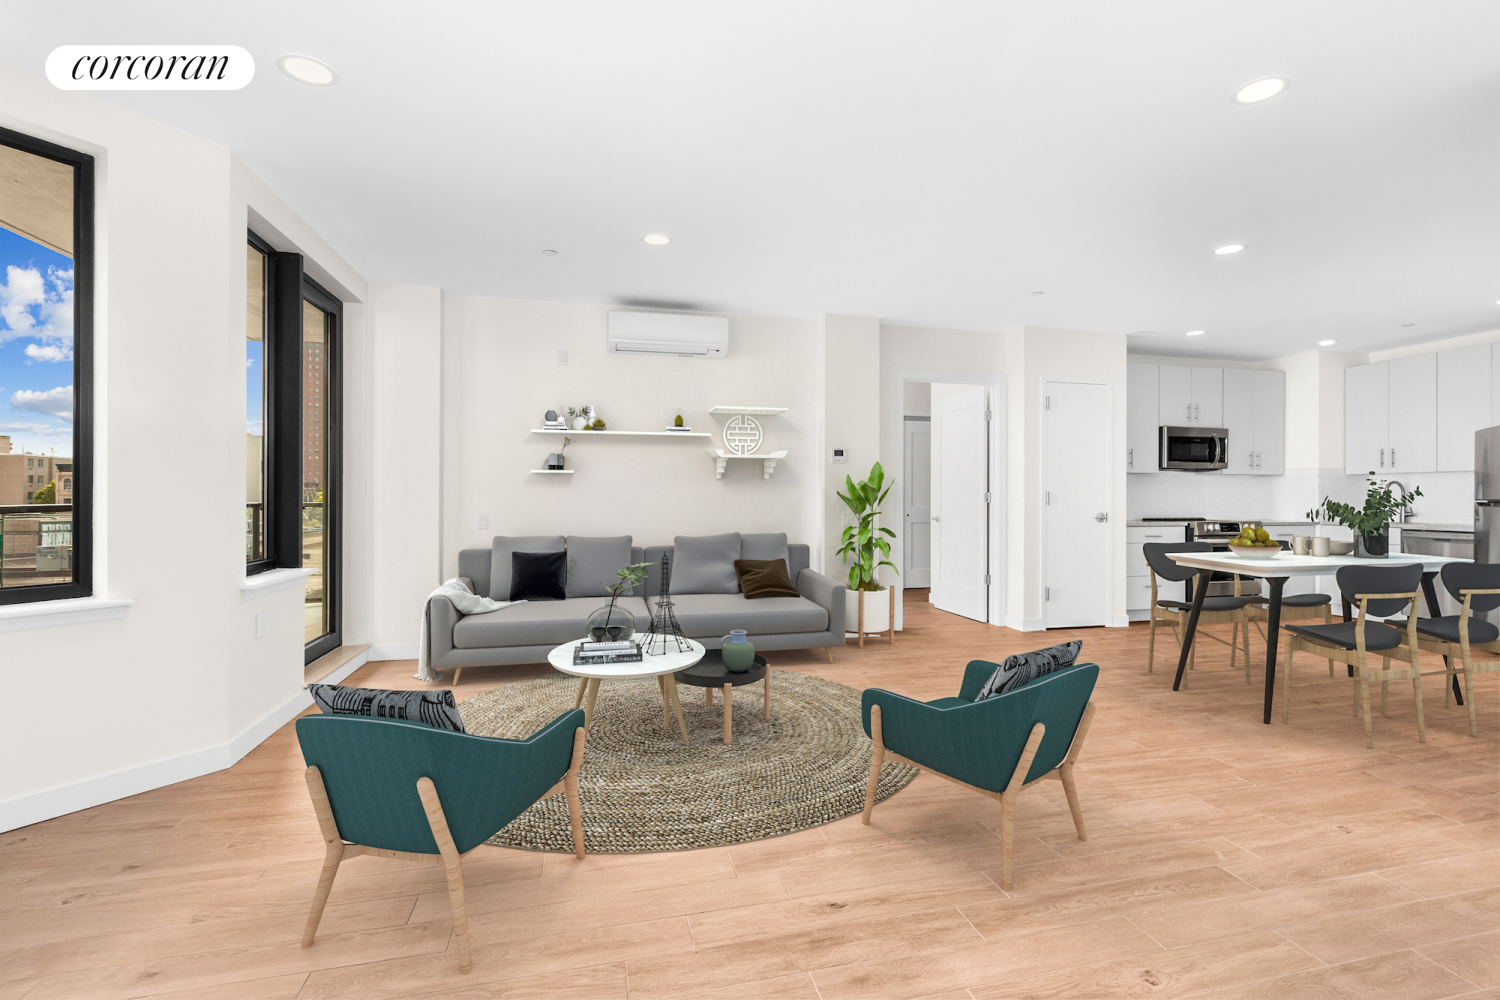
[{"x": 742, "y": 435}]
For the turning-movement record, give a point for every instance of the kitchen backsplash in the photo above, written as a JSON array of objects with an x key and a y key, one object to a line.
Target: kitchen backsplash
[{"x": 1448, "y": 496}]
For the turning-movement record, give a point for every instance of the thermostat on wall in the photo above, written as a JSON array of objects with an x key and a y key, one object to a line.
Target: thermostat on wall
[{"x": 838, "y": 457}]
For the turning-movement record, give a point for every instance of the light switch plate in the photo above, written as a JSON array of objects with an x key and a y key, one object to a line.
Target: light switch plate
[
  {"x": 260, "y": 624},
  {"x": 562, "y": 357},
  {"x": 484, "y": 522}
]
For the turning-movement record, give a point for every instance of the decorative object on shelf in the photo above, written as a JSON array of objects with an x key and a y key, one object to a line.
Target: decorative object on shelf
[
  {"x": 556, "y": 461},
  {"x": 862, "y": 542},
  {"x": 1371, "y": 523},
  {"x": 581, "y": 416},
  {"x": 597, "y": 425},
  {"x": 738, "y": 652},
  {"x": 552, "y": 422},
  {"x": 742, "y": 435},
  {"x": 665, "y": 632},
  {"x": 613, "y": 622},
  {"x": 678, "y": 427},
  {"x": 678, "y": 421}
]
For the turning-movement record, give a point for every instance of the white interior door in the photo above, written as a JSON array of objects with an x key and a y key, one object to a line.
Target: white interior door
[
  {"x": 959, "y": 481},
  {"x": 1076, "y": 434},
  {"x": 917, "y": 503}
]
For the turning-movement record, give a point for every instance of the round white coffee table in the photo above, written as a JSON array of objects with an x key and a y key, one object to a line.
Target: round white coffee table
[{"x": 661, "y": 666}]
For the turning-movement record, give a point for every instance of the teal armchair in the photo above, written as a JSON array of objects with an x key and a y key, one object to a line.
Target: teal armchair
[
  {"x": 997, "y": 747},
  {"x": 408, "y": 791}
]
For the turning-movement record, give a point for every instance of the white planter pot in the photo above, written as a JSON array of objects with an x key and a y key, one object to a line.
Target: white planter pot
[{"x": 877, "y": 611}]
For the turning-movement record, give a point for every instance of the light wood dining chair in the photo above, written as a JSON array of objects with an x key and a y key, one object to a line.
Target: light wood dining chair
[
  {"x": 1456, "y": 637},
  {"x": 1294, "y": 607},
  {"x": 1216, "y": 610},
  {"x": 1377, "y": 590}
]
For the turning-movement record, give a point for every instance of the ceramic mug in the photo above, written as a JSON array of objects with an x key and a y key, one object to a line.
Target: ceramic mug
[
  {"x": 1319, "y": 546},
  {"x": 1301, "y": 545}
]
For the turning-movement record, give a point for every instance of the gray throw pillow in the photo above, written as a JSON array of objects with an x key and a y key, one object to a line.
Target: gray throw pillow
[
  {"x": 704, "y": 564},
  {"x": 768, "y": 547},
  {"x": 500, "y": 553},
  {"x": 1022, "y": 668},
  {"x": 593, "y": 563},
  {"x": 431, "y": 708}
]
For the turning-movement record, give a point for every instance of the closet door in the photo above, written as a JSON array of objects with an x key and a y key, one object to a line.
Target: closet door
[{"x": 1413, "y": 427}]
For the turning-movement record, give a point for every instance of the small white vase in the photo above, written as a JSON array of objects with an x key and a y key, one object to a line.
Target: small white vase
[
  {"x": 579, "y": 423},
  {"x": 877, "y": 610}
]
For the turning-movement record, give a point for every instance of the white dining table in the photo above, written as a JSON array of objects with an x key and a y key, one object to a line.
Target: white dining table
[{"x": 1275, "y": 571}]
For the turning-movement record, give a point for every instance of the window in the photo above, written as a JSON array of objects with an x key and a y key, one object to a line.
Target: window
[{"x": 46, "y": 285}]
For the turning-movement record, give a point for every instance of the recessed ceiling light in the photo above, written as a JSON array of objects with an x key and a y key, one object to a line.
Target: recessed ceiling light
[
  {"x": 1260, "y": 90},
  {"x": 1229, "y": 248},
  {"x": 1327, "y": 343},
  {"x": 305, "y": 70},
  {"x": 549, "y": 253},
  {"x": 1405, "y": 325},
  {"x": 1196, "y": 333},
  {"x": 1038, "y": 293},
  {"x": 657, "y": 239}
]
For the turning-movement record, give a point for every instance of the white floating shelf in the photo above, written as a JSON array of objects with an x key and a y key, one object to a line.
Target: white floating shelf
[
  {"x": 553, "y": 472},
  {"x": 721, "y": 461},
  {"x": 663, "y": 434},
  {"x": 753, "y": 411}
]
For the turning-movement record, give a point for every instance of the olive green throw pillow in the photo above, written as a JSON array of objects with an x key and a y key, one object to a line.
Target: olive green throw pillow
[{"x": 764, "y": 578}]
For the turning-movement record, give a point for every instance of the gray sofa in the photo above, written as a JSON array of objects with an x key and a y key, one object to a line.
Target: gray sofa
[{"x": 707, "y": 601}]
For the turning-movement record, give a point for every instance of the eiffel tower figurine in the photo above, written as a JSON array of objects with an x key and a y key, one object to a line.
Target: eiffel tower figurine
[{"x": 664, "y": 631}]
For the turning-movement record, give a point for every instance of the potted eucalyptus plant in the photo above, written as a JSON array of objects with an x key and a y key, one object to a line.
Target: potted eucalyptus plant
[
  {"x": 864, "y": 551},
  {"x": 1370, "y": 523}
]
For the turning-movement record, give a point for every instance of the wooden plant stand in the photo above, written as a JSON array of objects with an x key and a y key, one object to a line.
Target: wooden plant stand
[{"x": 890, "y": 632}]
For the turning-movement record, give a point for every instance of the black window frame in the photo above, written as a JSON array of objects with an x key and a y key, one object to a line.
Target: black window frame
[
  {"x": 333, "y": 453},
  {"x": 268, "y": 559},
  {"x": 82, "y": 584}
]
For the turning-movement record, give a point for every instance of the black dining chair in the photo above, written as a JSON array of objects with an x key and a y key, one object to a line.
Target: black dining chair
[
  {"x": 1216, "y": 610},
  {"x": 1382, "y": 591},
  {"x": 1477, "y": 587}
]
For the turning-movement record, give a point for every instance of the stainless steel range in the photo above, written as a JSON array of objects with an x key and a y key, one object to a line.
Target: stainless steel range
[{"x": 1219, "y": 534}]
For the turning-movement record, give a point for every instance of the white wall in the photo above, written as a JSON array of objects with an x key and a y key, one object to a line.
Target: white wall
[{"x": 179, "y": 686}]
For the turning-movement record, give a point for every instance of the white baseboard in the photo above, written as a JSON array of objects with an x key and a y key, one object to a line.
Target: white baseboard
[
  {"x": 1119, "y": 621},
  {"x": 29, "y": 809},
  {"x": 343, "y": 672},
  {"x": 1024, "y": 624},
  {"x": 394, "y": 651}
]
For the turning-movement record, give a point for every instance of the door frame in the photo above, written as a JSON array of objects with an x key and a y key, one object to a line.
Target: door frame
[
  {"x": 998, "y": 479},
  {"x": 1109, "y": 479}
]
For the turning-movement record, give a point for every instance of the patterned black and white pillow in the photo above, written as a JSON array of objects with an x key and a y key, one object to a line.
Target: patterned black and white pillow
[
  {"x": 1022, "y": 668},
  {"x": 431, "y": 708}
]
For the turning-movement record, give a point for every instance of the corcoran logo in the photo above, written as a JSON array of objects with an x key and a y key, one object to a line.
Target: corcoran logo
[{"x": 150, "y": 67}]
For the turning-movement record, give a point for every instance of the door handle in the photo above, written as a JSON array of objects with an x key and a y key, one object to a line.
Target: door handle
[{"x": 1101, "y": 516}]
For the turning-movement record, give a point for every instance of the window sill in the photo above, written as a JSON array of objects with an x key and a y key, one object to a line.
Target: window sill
[
  {"x": 56, "y": 614},
  {"x": 271, "y": 581}
]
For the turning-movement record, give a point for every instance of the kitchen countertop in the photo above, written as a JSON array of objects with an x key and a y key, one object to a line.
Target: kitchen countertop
[{"x": 1433, "y": 526}]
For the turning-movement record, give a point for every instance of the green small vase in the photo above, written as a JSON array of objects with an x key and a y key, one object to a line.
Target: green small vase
[{"x": 738, "y": 652}]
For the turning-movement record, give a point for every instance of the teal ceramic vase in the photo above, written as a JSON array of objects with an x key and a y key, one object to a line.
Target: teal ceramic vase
[{"x": 738, "y": 652}]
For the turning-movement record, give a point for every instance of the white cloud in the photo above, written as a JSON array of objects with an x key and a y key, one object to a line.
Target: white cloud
[
  {"x": 23, "y": 289},
  {"x": 52, "y": 403},
  {"x": 48, "y": 353},
  {"x": 21, "y": 426}
]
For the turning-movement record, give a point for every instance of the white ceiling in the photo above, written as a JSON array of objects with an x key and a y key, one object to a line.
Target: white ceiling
[{"x": 927, "y": 163}]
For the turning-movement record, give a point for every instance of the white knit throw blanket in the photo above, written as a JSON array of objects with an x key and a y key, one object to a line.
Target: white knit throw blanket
[{"x": 467, "y": 603}]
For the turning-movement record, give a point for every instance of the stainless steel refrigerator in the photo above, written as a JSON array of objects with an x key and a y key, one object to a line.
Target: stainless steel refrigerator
[{"x": 1487, "y": 497}]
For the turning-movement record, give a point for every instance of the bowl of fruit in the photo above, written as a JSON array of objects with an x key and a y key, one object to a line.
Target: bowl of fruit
[{"x": 1254, "y": 543}]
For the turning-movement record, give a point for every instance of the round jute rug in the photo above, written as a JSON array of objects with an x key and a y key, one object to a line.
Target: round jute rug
[{"x": 643, "y": 791}]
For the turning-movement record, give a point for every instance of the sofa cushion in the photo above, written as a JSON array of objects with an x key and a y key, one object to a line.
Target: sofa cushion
[
  {"x": 549, "y": 623},
  {"x": 709, "y": 616},
  {"x": 704, "y": 564},
  {"x": 431, "y": 708},
  {"x": 593, "y": 563},
  {"x": 500, "y": 551},
  {"x": 1019, "y": 669},
  {"x": 761, "y": 578},
  {"x": 538, "y": 576},
  {"x": 764, "y": 546}
]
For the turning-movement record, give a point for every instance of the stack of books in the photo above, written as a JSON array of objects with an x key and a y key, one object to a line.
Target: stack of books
[
  {"x": 680, "y": 430},
  {"x": 554, "y": 425},
  {"x": 606, "y": 652}
]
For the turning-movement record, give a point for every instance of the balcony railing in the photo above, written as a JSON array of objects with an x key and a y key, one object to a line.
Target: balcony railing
[
  {"x": 312, "y": 541},
  {"x": 36, "y": 544}
]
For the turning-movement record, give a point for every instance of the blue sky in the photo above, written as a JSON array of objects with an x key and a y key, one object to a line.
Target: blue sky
[{"x": 36, "y": 346}]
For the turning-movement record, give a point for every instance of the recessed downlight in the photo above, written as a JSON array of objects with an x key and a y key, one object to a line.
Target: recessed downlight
[
  {"x": 306, "y": 70},
  {"x": 1327, "y": 343},
  {"x": 657, "y": 239},
  {"x": 1229, "y": 248},
  {"x": 549, "y": 253},
  {"x": 1405, "y": 325},
  {"x": 1038, "y": 293},
  {"x": 1260, "y": 90},
  {"x": 1196, "y": 333}
]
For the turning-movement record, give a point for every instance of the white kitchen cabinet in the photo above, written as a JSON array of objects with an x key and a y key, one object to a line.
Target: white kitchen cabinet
[
  {"x": 1366, "y": 418},
  {"x": 1494, "y": 382},
  {"x": 1142, "y": 423},
  {"x": 1175, "y": 398},
  {"x": 1413, "y": 414},
  {"x": 1270, "y": 423},
  {"x": 1208, "y": 397},
  {"x": 1463, "y": 404},
  {"x": 1255, "y": 417}
]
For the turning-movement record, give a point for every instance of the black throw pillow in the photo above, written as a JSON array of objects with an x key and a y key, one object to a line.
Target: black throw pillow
[
  {"x": 431, "y": 708},
  {"x": 538, "y": 576}
]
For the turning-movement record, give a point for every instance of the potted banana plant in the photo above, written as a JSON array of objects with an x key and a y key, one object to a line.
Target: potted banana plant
[{"x": 864, "y": 551}]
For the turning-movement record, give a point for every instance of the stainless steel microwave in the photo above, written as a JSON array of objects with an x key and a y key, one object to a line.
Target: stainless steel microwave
[{"x": 1197, "y": 448}]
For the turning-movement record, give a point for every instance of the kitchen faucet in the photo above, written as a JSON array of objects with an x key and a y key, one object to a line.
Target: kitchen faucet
[{"x": 1406, "y": 512}]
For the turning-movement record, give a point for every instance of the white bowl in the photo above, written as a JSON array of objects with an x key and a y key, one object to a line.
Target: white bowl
[{"x": 1255, "y": 551}]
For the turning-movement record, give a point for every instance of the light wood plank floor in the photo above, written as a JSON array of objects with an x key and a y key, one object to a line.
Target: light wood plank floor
[{"x": 1226, "y": 858}]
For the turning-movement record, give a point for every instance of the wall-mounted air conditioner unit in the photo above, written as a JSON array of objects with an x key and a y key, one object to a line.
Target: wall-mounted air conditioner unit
[{"x": 668, "y": 333}]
